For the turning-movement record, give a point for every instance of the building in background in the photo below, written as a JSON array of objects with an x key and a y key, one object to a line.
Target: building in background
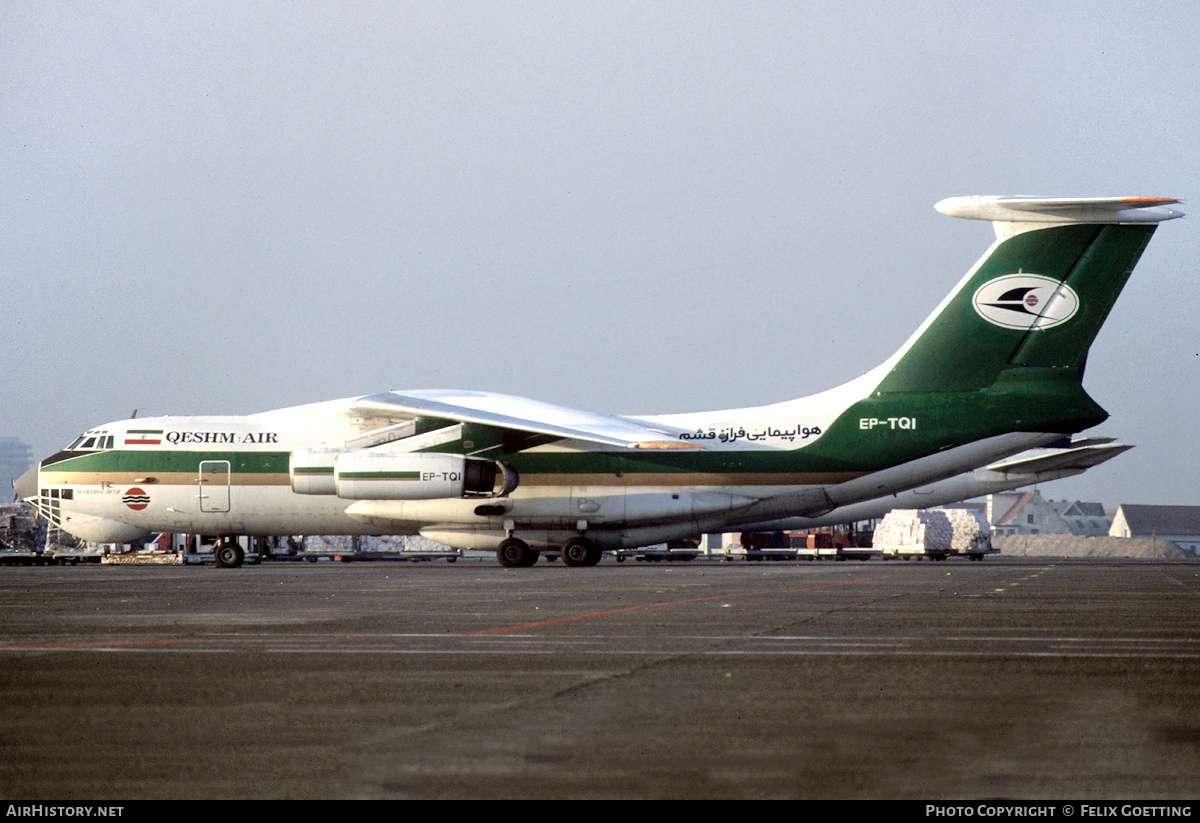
[
  {"x": 1084, "y": 519},
  {"x": 1023, "y": 513},
  {"x": 1179, "y": 524},
  {"x": 1029, "y": 513}
]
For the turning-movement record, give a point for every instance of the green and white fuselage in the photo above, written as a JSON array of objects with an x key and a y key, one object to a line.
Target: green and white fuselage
[{"x": 995, "y": 371}]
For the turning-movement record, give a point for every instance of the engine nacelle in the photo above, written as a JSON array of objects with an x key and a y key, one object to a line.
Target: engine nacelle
[
  {"x": 371, "y": 475},
  {"x": 410, "y": 476},
  {"x": 312, "y": 471}
]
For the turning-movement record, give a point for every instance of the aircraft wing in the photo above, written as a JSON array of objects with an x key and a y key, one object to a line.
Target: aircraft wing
[
  {"x": 521, "y": 414},
  {"x": 1081, "y": 455}
]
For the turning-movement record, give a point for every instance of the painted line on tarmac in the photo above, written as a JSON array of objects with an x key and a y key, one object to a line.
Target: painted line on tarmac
[
  {"x": 610, "y": 612},
  {"x": 207, "y": 643},
  {"x": 106, "y": 645}
]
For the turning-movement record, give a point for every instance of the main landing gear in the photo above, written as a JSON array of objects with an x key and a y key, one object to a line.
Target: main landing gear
[
  {"x": 228, "y": 554},
  {"x": 579, "y": 551},
  {"x": 515, "y": 553}
]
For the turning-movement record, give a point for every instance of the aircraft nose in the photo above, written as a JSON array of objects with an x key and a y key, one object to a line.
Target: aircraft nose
[{"x": 26, "y": 486}]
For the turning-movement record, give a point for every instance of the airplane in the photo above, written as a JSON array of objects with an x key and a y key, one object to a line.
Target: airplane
[{"x": 984, "y": 395}]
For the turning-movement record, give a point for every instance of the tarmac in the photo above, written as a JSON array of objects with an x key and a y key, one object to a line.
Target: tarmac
[{"x": 1017, "y": 678}]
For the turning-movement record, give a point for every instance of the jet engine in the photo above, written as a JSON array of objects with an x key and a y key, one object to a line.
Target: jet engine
[{"x": 369, "y": 475}]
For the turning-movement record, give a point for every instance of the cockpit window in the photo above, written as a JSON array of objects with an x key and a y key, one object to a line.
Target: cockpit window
[{"x": 91, "y": 442}]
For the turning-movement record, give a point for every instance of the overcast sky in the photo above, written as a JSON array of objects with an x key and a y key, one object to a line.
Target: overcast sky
[{"x": 213, "y": 207}]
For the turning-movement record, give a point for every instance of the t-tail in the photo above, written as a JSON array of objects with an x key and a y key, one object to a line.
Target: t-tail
[
  {"x": 1037, "y": 298},
  {"x": 1005, "y": 351}
]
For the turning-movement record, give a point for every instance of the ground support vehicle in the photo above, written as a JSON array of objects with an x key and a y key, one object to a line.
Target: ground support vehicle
[{"x": 831, "y": 543}]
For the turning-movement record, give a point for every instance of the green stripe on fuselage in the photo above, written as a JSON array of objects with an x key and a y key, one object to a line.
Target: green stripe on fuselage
[{"x": 153, "y": 461}]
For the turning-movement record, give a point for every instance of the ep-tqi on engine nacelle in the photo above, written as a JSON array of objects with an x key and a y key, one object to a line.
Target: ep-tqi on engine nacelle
[{"x": 367, "y": 475}]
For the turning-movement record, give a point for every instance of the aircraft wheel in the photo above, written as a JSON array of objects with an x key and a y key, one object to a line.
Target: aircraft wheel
[
  {"x": 578, "y": 551},
  {"x": 514, "y": 553},
  {"x": 228, "y": 554}
]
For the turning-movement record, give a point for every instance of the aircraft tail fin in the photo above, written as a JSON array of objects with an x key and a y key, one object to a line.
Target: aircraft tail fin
[{"x": 1035, "y": 300}]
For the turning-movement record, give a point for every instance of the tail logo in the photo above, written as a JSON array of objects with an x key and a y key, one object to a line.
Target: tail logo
[{"x": 1025, "y": 301}]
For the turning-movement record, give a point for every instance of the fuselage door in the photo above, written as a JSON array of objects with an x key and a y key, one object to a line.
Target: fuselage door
[{"x": 214, "y": 485}]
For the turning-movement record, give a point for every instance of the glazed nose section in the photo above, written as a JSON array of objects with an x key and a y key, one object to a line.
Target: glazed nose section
[{"x": 26, "y": 486}]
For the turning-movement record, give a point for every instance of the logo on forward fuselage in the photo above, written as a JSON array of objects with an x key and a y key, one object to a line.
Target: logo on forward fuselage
[
  {"x": 1025, "y": 301},
  {"x": 136, "y": 499}
]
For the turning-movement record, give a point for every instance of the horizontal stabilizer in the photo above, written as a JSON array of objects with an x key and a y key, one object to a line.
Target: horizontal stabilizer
[
  {"x": 1080, "y": 456},
  {"x": 1058, "y": 210},
  {"x": 1071, "y": 203}
]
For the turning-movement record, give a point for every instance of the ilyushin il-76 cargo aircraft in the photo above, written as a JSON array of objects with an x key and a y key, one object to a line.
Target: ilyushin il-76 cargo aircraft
[{"x": 983, "y": 396}]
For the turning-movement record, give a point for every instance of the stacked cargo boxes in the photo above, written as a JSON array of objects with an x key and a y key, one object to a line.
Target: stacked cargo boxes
[
  {"x": 933, "y": 533},
  {"x": 972, "y": 534},
  {"x": 914, "y": 533}
]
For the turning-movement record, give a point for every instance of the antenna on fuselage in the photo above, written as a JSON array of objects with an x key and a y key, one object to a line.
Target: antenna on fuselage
[{"x": 134, "y": 415}]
